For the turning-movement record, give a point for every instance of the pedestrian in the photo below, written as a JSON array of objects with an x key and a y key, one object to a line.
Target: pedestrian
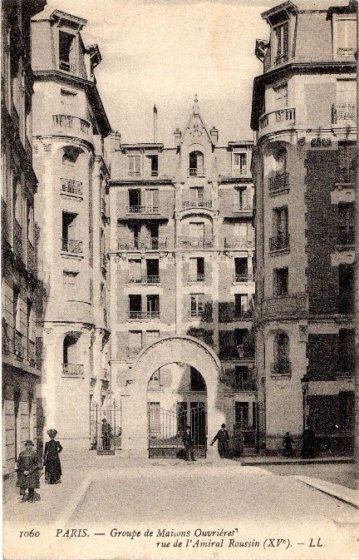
[
  {"x": 222, "y": 436},
  {"x": 28, "y": 473},
  {"x": 188, "y": 444},
  {"x": 52, "y": 462},
  {"x": 106, "y": 431},
  {"x": 288, "y": 444},
  {"x": 309, "y": 444}
]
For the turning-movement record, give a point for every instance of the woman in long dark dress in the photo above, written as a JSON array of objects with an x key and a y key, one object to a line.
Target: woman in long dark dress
[{"x": 52, "y": 462}]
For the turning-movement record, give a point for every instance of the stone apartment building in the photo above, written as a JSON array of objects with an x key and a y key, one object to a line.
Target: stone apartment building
[
  {"x": 305, "y": 174},
  {"x": 71, "y": 212},
  {"x": 20, "y": 371},
  {"x": 181, "y": 266}
]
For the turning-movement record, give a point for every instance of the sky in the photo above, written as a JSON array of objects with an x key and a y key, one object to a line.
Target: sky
[{"x": 164, "y": 52}]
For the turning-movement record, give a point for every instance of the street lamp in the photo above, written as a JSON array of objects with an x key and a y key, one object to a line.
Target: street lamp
[{"x": 305, "y": 384}]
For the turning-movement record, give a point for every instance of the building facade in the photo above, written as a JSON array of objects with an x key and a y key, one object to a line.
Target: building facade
[
  {"x": 20, "y": 371},
  {"x": 70, "y": 125},
  {"x": 304, "y": 115},
  {"x": 181, "y": 266}
]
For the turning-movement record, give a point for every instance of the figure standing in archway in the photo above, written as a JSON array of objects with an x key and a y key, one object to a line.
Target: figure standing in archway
[{"x": 222, "y": 436}]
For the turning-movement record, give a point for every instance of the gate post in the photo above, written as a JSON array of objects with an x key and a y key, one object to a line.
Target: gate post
[{"x": 134, "y": 426}]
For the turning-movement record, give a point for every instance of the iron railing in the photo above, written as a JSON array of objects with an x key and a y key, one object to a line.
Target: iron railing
[
  {"x": 242, "y": 314},
  {"x": 145, "y": 279},
  {"x": 279, "y": 182},
  {"x": 243, "y": 278},
  {"x": 196, "y": 171},
  {"x": 237, "y": 242},
  {"x": 195, "y": 243},
  {"x": 143, "y": 209},
  {"x": 153, "y": 243},
  {"x": 197, "y": 278},
  {"x": 144, "y": 314},
  {"x": 281, "y": 367},
  {"x": 73, "y": 370},
  {"x": 279, "y": 242},
  {"x": 242, "y": 209},
  {"x": 71, "y": 186},
  {"x": 72, "y": 246},
  {"x": 197, "y": 204},
  {"x": 344, "y": 113}
]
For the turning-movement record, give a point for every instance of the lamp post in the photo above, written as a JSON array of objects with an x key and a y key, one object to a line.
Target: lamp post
[{"x": 305, "y": 384}]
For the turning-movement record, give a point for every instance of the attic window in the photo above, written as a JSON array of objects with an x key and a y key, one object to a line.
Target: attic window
[{"x": 66, "y": 51}]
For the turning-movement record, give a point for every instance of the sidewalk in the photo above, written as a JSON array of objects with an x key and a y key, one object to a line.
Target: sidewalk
[
  {"x": 335, "y": 490},
  {"x": 277, "y": 460}
]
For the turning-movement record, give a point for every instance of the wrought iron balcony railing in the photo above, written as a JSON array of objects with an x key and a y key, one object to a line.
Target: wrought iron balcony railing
[
  {"x": 73, "y": 370},
  {"x": 279, "y": 242},
  {"x": 196, "y": 171},
  {"x": 242, "y": 314},
  {"x": 197, "y": 278},
  {"x": 151, "y": 244},
  {"x": 237, "y": 242},
  {"x": 279, "y": 182},
  {"x": 143, "y": 314},
  {"x": 143, "y": 209},
  {"x": 243, "y": 278},
  {"x": 281, "y": 367},
  {"x": 195, "y": 243},
  {"x": 71, "y": 186},
  {"x": 72, "y": 246},
  {"x": 344, "y": 114},
  {"x": 145, "y": 279}
]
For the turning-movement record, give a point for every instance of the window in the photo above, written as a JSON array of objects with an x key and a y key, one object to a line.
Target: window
[
  {"x": 345, "y": 37},
  {"x": 241, "y": 376},
  {"x": 71, "y": 367},
  {"x": 135, "y": 270},
  {"x": 30, "y": 223},
  {"x": 66, "y": 51},
  {"x": 134, "y": 200},
  {"x": 281, "y": 281},
  {"x": 346, "y": 288},
  {"x": 196, "y": 234},
  {"x": 152, "y": 199},
  {"x": 135, "y": 306},
  {"x": 280, "y": 239},
  {"x": 153, "y": 306},
  {"x": 196, "y": 196},
  {"x": 344, "y": 111},
  {"x": 134, "y": 341},
  {"x": 346, "y": 223},
  {"x": 70, "y": 156},
  {"x": 152, "y": 336},
  {"x": 16, "y": 308},
  {"x": 153, "y": 165},
  {"x": 134, "y": 166},
  {"x": 281, "y": 96},
  {"x": 18, "y": 202},
  {"x": 346, "y": 351},
  {"x": 197, "y": 305},
  {"x": 282, "y": 43},
  {"x": 240, "y": 198},
  {"x": 242, "y": 414},
  {"x": 152, "y": 270},
  {"x": 135, "y": 235},
  {"x": 69, "y": 233},
  {"x": 241, "y": 305},
  {"x": 196, "y": 164},
  {"x": 196, "y": 269},
  {"x": 241, "y": 269},
  {"x": 240, "y": 163},
  {"x": 281, "y": 353}
]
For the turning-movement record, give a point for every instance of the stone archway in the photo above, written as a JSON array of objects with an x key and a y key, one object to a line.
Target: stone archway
[{"x": 176, "y": 348}]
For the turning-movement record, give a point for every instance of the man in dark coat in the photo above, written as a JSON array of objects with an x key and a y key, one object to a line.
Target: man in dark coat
[
  {"x": 106, "y": 432},
  {"x": 52, "y": 462},
  {"x": 222, "y": 436},
  {"x": 28, "y": 472},
  {"x": 188, "y": 444}
]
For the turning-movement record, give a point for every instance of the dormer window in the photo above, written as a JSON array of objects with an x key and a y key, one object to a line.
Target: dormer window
[
  {"x": 66, "y": 51},
  {"x": 196, "y": 164},
  {"x": 240, "y": 163},
  {"x": 282, "y": 43}
]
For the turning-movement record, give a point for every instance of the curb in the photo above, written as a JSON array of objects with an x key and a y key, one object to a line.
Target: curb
[
  {"x": 337, "y": 491},
  {"x": 265, "y": 461}
]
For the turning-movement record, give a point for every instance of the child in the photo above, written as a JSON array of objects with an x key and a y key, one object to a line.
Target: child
[
  {"x": 52, "y": 462},
  {"x": 28, "y": 475},
  {"x": 288, "y": 444}
]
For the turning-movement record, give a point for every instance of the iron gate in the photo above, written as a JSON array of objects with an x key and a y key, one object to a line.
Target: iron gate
[
  {"x": 167, "y": 427},
  {"x": 105, "y": 427}
]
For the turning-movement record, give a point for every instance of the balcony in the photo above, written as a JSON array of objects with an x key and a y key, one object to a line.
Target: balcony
[
  {"x": 246, "y": 385},
  {"x": 187, "y": 204},
  {"x": 138, "y": 315},
  {"x": 73, "y": 370},
  {"x": 279, "y": 243},
  {"x": 71, "y": 186},
  {"x": 197, "y": 278},
  {"x": 31, "y": 258},
  {"x": 19, "y": 346},
  {"x": 276, "y": 120},
  {"x": 193, "y": 243},
  {"x": 344, "y": 114},
  {"x": 72, "y": 246},
  {"x": 143, "y": 210},
  {"x": 196, "y": 172},
  {"x": 281, "y": 367},
  {"x": 279, "y": 183},
  {"x": 238, "y": 278},
  {"x": 238, "y": 353},
  {"x": 240, "y": 314},
  {"x": 146, "y": 279},
  {"x": 151, "y": 244},
  {"x": 75, "y": 124},
  {"x": 238, "y": 242},
  {"x": 346, "y": 239},
  {"x": 18, "y": 246},
  {"x": 228, "y": 313},
  {"x": 31, "y": 352},
  {"x": 291, "y": 306}
]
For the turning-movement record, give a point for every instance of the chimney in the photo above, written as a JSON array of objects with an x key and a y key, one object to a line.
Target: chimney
[
  {"x": 214, "y": 135},
  {"x": 155, "y": 124},
  {"x": 178, "y": 135}
]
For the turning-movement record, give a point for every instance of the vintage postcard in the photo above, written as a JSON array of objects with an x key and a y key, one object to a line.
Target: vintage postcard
[{"x": 179, "y": 201}]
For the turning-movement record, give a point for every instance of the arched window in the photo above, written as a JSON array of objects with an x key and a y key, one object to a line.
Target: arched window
[
  {"x": 70, "y": 155},
  {"x": 196, "y": 164},
  {"x": 71, "y": 366},
  {"x": 281, "y": 160},
  {"x": 282, "y": 364}
]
